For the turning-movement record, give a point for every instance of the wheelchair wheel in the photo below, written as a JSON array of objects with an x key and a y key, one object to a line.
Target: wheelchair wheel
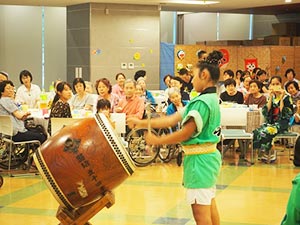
[
  {"x": 165, "y": 151},
  {"x": 140, "y": 152},
  {"x": 19, "y": 155},
  {"x": 1, "y": 181}
]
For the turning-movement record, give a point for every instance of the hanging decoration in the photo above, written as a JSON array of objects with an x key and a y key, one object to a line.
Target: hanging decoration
[
  {"x": 181, "y": 54},
  {"x": 225, "y": 60},
  {"x": 250, "y": 64},
  {"x": 137, "y": 56}
]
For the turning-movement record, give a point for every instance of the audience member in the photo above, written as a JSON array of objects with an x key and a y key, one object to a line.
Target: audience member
[
  {"x": 140, "y": 73},
  {"x": 254, "y": 73},
  {"x": 239, "y": 79},
  {"x": 3, "y": 76},
  {"x": 118, "y": 88},
  {"x": 227, "y": 74},
  {"x": 177, "y": 82},
  {"x": 290, "y": 76},
  {"x": 297, "y": 113},
  {"x": 176, "y": 101},
  {"x": 255, "y": 97},
  {"x": 82, "y": 99},
  {"x": 167, "y": 80},
  {"x": 231, "y": 94},
  {"x": 246, "y": 86},
  {"x": 27, "y": 93},
  {"x": 139, "y": 91},
  {"x": 104, "y": 90},
  {"x": 60, "y": 107},
  {"x": 262, "y": 77},
  {"x": 88, "y": 87},
  {"x": 202, "y": 55},
  {"x": 104, "y": 106},
  {"x": 147, "y": 94},
  {"x": 131, "y": 105},
  {"x": 292, "y": 87},
  {"x": 187, "y": 80},
  {"x": 9, "y": 107},
  {"x": 277, "y": 113}
]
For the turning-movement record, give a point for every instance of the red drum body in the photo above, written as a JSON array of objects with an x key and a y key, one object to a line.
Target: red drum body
[{"x": 83, "y": 161}]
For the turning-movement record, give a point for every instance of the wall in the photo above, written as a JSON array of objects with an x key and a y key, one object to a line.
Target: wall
[
  {"x": 119, "y": 32},
  {"x": 167, "y": 26},
  {"x": 78, "y": 40},
  {"x": 203, "y": 27},
  {"x": 21, "y": 42},
  {"x": 262, "y": 24}
]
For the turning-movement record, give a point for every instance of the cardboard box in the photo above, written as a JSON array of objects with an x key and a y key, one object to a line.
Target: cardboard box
[
  {"x": 224, "y": 43},
  {"x": 253, "y": 42},
  {"x": 277, "y": 40},
  {"x": 295, "y": 41},
  {"x": 288, "y": 29}
]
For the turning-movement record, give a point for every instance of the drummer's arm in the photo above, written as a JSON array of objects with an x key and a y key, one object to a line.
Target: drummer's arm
[
  {"x": 160, "y": 122},
  {"x": 183, "y": 134}
]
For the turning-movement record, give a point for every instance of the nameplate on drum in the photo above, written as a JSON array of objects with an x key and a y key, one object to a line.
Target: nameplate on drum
[{"x": 72, "y": 145}]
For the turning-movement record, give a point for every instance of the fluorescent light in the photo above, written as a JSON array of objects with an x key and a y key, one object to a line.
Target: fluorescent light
[
  {"x": 193, "y": 2},
  {"x": 288, "y": 1}
]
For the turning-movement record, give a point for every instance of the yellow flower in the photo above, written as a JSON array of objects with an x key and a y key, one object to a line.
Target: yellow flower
[{"x": 272, "y": 130}]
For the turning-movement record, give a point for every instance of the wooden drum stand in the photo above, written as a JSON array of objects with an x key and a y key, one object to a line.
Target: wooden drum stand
[{"x": 81, "y": 215}]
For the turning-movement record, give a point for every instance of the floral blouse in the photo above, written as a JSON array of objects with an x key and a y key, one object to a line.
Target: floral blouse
[{"x": 59, "y": 110}]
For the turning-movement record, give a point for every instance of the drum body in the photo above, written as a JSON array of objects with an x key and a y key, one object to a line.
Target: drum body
[{"x": 83, "y": 161}]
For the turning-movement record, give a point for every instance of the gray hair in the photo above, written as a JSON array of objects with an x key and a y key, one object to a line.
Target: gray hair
[
  {"x": 130, "y": 81},
  {"x": 173, "y": 90}
]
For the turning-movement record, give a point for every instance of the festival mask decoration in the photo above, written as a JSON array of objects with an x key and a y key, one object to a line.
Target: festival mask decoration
[
  {"x": 181, "y": 54},
  {"x": 250, "y": 64},
  {"x": 224, "y": 61}
]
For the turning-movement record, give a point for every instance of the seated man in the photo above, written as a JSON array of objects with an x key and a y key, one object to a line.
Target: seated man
[
  {"x": 131, "y": 105},
  {"x": 231, "y": 94}
]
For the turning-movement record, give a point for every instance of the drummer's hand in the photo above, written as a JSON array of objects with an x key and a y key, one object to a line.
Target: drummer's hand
[
  {"x": 132, "y": 122},
  {"x": 151, "y": 139}
]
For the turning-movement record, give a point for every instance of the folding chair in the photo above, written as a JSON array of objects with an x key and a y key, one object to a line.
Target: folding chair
[
  {"x": 15, "y": 153},
  {"x": 290, "y": 135}
]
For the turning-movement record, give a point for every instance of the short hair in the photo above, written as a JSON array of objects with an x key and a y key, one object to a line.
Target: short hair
[
  {"x": 25, "y": 73},
  {"x": 276, "y": 77},
  {"x": 77, "y": 81},
  {"x": 120, "y": 74},
  {"x": 106, "y": 82},
  {"x": 3, "y": 85},
  {"x": 103, "y": 104},
  {"x": 173, "y": 90},
  {"x": 4, "y": 74},
  {"x": 201, "y": 53},
  {"x": 256, "y": 69},
  {"x": 130, "y": 81},
  {"x": 296, "y": 85},
  {"x": 229, "y": 72},
  {"x": 138, "y": 74},
  {"x": 165, "y": 77},
  {"x": 290, "y": 70},
  {"x": 183, "y": 71},
  {"x": 261, "y": 72},
  {"x": 257, "y": 82},
  {"x": 229, "y": 82}
]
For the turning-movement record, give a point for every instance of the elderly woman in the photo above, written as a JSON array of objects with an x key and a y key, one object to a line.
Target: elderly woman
[
  {"x": 104, "y": 90},
  {"x": 28, "y": 93},
  {"x": 82, "y": 99},
  {"x": 9, "y": 107},
  {"x": 118, "y": 88}
]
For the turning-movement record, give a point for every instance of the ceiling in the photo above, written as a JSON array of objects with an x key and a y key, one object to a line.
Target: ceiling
[{"x": 231, "y": 6}]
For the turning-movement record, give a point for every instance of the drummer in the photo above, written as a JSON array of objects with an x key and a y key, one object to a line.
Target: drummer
[{"x": 199, "y": 135}]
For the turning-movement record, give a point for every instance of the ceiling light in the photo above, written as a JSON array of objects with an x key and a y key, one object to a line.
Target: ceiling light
[
  {"x": 193, "y": 2},
  {"x": 288, "y": 1}
]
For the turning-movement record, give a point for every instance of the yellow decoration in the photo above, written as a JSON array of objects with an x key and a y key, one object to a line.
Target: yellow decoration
[
  {"x": 143, "y": 65},
  {"x": 272, "y": 130},
  {"x": 151, "y": 51},
  {"x": 137, "y": 56},
  {"x": 131, "y": 41}
]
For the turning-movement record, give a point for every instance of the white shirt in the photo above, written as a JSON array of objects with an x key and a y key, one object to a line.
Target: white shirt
[{"x": 30, "y": 97}]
